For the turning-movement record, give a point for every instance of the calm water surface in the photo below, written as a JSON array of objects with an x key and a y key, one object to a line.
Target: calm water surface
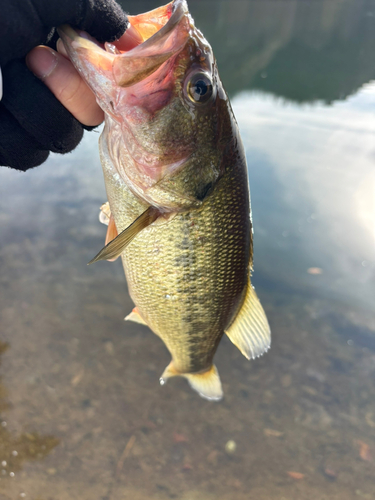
[{"x": 81, "y": 410}]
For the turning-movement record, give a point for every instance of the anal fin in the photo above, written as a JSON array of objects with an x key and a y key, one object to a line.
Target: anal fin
[
  {"x": 207, "y": 384},
  {"x": 136, "y": 317},
  {"x": 250, "y": 330}
]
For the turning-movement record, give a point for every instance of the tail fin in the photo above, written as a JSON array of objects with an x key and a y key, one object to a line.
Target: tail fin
[{"x": 207, "y": 384}]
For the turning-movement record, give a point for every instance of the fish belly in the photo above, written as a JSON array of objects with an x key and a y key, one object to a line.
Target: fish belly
[{"x": 187, "y": 276}]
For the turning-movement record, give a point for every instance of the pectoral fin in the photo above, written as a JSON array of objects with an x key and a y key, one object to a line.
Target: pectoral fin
[
  {"x": 207, "y": 384},
  {"x": 250, "y": 331},
  {"x": 118, "y": 245}
]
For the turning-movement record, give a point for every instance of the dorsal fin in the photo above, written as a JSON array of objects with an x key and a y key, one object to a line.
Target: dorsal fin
[{"x": 249, "y": 330}]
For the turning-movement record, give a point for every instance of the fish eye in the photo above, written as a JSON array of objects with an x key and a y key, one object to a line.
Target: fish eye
[{"x": 199, "y": 88}]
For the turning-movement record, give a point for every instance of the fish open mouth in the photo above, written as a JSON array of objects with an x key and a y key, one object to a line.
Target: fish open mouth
[
  {"x": 133, "y": 79},
  {"x": 152, "y": 38},
  {"x": 161, "y": 20}
]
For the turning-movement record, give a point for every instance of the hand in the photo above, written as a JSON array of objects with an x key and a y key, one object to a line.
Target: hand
[
  {"x": 60, "y": 76},
  {"x": 64, "y": 81},
  {"x": 32, "y": 120}
]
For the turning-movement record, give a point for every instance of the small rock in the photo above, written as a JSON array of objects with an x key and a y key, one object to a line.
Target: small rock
[
  {"x": 230, "y": 447},
  {"x": 295, "y": 475},
  {"x": 179, "y": 438},
  {"x": 330, "y": 473},
  {"x": 364, "y": 451}
]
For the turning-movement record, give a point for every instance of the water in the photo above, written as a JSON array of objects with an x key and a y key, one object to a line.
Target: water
[{"x": 81, "y": 410}]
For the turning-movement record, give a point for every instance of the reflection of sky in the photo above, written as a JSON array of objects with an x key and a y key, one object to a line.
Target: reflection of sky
[{"x": 312, "y": 176}]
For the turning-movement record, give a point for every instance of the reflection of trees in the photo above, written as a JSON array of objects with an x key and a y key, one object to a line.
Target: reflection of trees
[
  {"x": 303, "y": 51},
  {"x": 14, "y": 450},
  {"x": 306, "y": 71}
]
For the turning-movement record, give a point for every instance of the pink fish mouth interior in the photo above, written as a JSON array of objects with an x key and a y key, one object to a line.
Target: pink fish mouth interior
[
  {"x": 151, "y": 39},
  {"x": 141, "y": 27},
  {"x": 144, "y": 26},
  {"x": 148, "y": 46}
]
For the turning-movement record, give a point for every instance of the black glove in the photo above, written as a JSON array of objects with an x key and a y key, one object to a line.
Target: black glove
[{"x": 32, "y": 121}]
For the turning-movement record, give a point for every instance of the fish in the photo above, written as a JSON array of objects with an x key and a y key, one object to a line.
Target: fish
[{"x": 178, "y": 210}]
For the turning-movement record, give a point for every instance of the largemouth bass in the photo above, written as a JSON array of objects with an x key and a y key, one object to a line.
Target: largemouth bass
[{"x": 176, "y": 180}]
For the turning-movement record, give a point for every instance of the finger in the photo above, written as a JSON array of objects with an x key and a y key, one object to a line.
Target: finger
[
  {"x": 130, "y": 39},
  {"x": 103, "y": 19},
  {"x": 65, "y": 83}
]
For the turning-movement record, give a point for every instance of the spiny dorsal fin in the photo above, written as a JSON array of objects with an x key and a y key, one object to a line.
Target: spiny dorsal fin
[
  {"x": 250, "y": 331},
  {"x": 118, "y": 245},
  {"x": 136, "y": 317}
]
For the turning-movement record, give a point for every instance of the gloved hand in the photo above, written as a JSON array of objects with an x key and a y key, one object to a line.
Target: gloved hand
[{"x": 32, "y": 121}]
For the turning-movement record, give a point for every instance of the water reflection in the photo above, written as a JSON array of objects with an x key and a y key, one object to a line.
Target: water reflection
[
  {"x": 303, "y": 417},
  {"x": 302, "y": 51},
  {"x": 313, "y": 183}
]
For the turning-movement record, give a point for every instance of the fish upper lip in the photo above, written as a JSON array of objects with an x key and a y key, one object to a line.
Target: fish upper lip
[
  {"x": 86, "y": 41},
  {"x": 131, "y": 66},
  {"x": 179, "y": 10}
]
